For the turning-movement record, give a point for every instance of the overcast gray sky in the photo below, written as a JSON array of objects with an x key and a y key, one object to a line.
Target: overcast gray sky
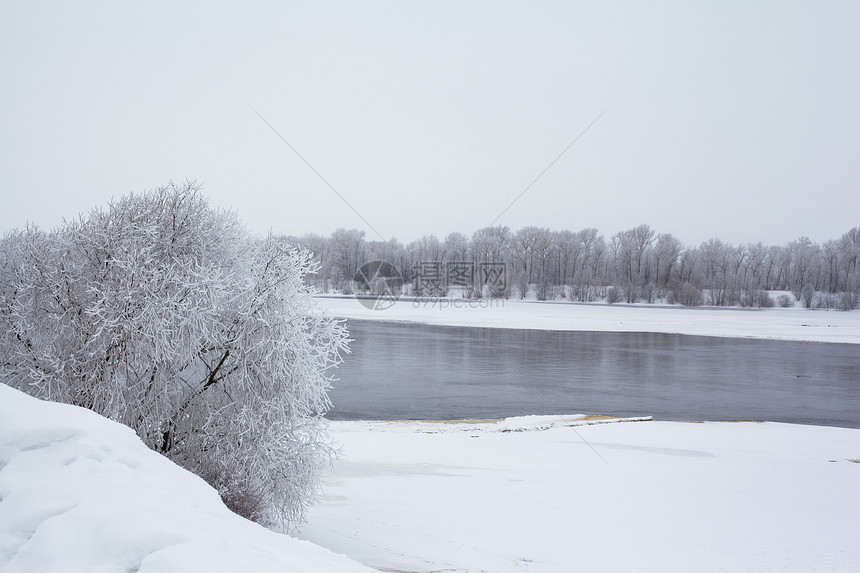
[{"x": 739, "y": 120}]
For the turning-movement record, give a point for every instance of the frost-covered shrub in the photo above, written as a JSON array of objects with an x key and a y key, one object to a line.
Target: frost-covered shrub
[
  {"x": 725, "y": 295},
  {"x": 848, "y": 301},
  {"x": 785, "y": 301},
  {"x": 549, "y": 291},
  {"x": 690, "y": 295},
  {"x": 807, "y": 295},
  {"x": 649, "y": 293},
  {"x": 613, "y": 295},
  {"x": 757, "y": 298},
  {"x": 631, "y": 293},
  {"x": 164, "y": 314},
  {"x": 763, "y": 299},
  {"x": 824, "y": 300}
]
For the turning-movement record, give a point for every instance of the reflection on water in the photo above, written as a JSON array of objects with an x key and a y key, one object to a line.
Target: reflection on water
[{"x": 412, "y": 371}]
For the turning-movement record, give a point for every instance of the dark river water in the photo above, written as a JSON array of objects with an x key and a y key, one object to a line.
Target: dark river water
[{"x": 412, "y": 371}]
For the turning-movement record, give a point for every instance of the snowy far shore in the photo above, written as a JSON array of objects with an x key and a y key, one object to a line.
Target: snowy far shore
[{"x": 771, "y": 323}]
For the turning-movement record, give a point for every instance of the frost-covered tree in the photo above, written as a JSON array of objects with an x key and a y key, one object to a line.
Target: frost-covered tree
[
  {"x": 526, "y": 244},
  {"x": 667, "y": 251},
  {"x": 319, "y": 248},
  {"x": 347, "y": 252},
  {"x": 804, "y": 254},
  {"x": 456, "y": 247},
  {"x": 492, "y": 245},
  {"x": 165, "y": 314}
]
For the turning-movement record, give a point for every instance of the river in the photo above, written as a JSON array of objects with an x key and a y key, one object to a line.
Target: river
[{"x": 416, "y": 371}]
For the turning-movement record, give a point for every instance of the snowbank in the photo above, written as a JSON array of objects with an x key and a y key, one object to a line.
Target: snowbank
[
  {"x": 81, "y": 493},
  {"x": 540, "y": 493},
  {"x": 775, "y": 323},
  {"x": 561, "y": 494}
]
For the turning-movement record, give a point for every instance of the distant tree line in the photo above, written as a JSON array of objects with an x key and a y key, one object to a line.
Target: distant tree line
[{"x": 636, "y": 265}]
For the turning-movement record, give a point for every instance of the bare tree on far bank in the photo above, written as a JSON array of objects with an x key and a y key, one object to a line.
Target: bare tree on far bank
[{"x": 639, "y": 264}]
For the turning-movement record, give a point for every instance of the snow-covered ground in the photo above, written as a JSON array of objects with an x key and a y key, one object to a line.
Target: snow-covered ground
[
  {"x": 541, "y": 495},
  {"x": 81, "y": 493},
  {"x": 776, "y": 323}
]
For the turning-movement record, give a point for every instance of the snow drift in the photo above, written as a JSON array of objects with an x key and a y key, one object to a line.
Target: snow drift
[{"x": 81, "y": 493}]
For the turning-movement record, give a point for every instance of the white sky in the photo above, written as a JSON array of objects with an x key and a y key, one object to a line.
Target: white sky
[{"x": 731, "y": 119}]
